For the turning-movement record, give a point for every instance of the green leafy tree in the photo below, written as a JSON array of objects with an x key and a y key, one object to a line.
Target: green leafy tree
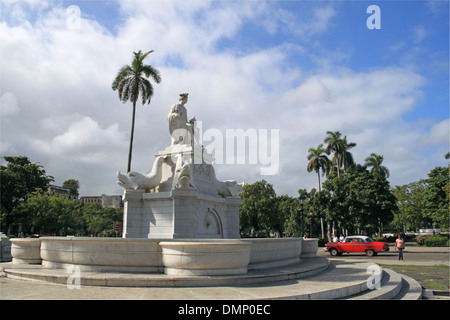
[
  {"x": 410, "y": 203},
  {"x": 131, "y": 82},
  {"x": 73, "y": 185},
  {"x": 360, "y": 200},
  {"x": 288, "y": 208},
  {"x": 436, "y": 197},
  {"x": 18, "y": 179},
  {"x": 99, "y": 220},
  {"x": 321, "y": 207},
  {"x": 259, "y": 208},
  {"x": 45, "y": 214}
]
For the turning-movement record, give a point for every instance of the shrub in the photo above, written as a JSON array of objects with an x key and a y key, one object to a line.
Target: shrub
[
  {"x": 110, "y": 233},
  {"x": 437, "y": 241},
  {"x": 421, "y": 241}
]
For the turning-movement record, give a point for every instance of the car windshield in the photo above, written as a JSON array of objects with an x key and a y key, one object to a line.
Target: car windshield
[{"x": 368, "y": 240}]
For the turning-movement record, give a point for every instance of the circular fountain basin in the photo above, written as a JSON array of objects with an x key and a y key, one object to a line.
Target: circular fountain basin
[
  {"x": 101, "y": 254},
  {"x": 205, "y": 257},
  {"x": 25, "y": 250},
  {"x": 274, "y": 252},
  {"x": 310, "y": 247},
  {"x": 178, "y": 257}
]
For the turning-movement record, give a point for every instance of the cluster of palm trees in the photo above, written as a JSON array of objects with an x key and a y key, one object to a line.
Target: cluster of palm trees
[{"x": 342, "y": 157}]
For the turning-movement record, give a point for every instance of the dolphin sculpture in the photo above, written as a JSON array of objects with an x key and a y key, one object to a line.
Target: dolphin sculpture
[
  {"x": 135, "y": 180},
  {"x": 227, "y": 188}
]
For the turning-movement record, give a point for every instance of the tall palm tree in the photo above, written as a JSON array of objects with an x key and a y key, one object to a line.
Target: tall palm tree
[
  {"x": 375, "y": 161},
  {"x": 347, "y": 157},
  {"x": 130, "y": 83},
  {"x": 339, "y": 147},
  {"x": 334, "y": 145},
  {"x": 318, "y": 160}
]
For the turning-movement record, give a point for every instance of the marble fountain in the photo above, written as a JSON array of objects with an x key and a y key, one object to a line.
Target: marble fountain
[{"x": 180, "y": 228}]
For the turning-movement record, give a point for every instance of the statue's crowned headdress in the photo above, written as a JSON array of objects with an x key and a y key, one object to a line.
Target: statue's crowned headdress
[{"x": 183, "y": 95}]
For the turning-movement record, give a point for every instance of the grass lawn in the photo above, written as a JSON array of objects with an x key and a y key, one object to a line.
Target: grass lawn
[{"x": 430, "y": 277}]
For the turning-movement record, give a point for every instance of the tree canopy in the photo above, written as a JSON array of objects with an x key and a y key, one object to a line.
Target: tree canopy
[
  {"x": 27, "y": 207},
  {"x": 258, "y": 211},
  {"x": 73, "y": 185},
  {"x": 18, "y": 179},
  {"x": 53, "y": 214},
  {"x": 360, "y": 200},
  {"x": 354, "y": 198}
]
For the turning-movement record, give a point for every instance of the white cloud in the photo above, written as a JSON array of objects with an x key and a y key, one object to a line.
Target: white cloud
[
  {"x": 66, "y": 116},
  {"x": 87, "y": 141},
  {"x": 438, "y": 135},
  {"x": 8, "y": 104},
  {"x": 419, "y": 34},
  {"x": 366, "y": 106},
  {"x": 304, "y": 23}
]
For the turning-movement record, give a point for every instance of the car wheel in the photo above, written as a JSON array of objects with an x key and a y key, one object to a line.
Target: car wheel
[
  {"x": 370, "y": 252},
  {"x": 334, "y": 252}
]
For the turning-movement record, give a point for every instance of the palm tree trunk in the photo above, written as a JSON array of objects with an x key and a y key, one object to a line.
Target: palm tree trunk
[
  {"x": 329, "y": 231},
  {"x": 321, "y": 219},
  {"x": 338, "y": 166},
  {"x": 130, "y": 151},
  {"x": 318, "y": 176}
]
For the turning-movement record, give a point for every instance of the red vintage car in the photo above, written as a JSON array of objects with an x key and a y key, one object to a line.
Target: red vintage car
[{"x": 357, "y": 244}]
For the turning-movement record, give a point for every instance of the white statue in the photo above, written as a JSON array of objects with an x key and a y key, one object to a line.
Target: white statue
[
  {"x": 181, "y": 130},
  {"x": 175, "y": 165}
]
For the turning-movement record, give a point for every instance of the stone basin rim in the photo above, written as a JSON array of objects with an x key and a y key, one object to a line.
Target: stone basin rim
[
  {"x": 177, "y": 240},
  {"x": 193, "y": 243}
]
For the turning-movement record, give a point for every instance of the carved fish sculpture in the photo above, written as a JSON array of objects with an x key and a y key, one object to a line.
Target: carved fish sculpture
[{"x": 135, "y": 180}]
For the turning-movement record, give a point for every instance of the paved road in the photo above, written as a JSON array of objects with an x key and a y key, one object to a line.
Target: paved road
[{"x": 412, "y": 256}]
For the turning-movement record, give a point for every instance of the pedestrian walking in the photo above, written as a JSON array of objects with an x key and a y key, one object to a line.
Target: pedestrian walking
[{"x": 400, "y": 245}]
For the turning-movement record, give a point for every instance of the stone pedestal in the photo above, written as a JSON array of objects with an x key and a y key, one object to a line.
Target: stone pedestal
[
  {"x": 180, "y": 197},
  {"x": 5, "y": 248},
  {"x": 180, "y": 214}
]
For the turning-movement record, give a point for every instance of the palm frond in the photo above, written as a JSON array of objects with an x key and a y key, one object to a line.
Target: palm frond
[
  {"x": 374, "y": 161},
  {"x": 149, "y": 71},
  {"x": 146, "y": 90}
]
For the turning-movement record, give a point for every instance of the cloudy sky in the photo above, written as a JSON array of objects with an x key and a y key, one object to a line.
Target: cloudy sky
[{"x": 300, "y": 67}]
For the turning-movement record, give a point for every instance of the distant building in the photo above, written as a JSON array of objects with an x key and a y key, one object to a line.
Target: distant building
[
  {"x": 60, "y": 191},
  {"x": 114, "y": 201},
  {"x": 90, "y": 199},
  {"x": 107, "y": 201}
]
